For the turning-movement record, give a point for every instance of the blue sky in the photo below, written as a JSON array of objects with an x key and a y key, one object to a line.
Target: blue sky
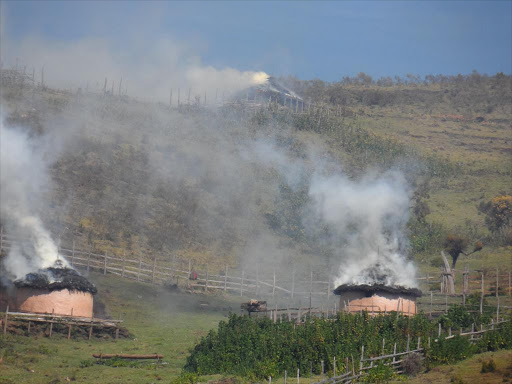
[{"x": 308, "y": 39}]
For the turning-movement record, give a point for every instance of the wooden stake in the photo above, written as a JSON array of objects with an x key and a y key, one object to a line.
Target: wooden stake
[
  {"x": 242, "y": 284},
  {"x": 206, "y": 282},
  {"x": 154, "y": 271},
  {"x": 226, "y": 278},
  {"x": 105, "y": 264},
  {"x": 482, "y": 296},
  {"x": 6, "y": 319},
  {"x": 497, "y": 294}
]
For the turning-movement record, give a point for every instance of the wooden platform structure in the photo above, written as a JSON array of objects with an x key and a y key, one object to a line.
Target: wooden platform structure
[{"x": 69, "y": 321}]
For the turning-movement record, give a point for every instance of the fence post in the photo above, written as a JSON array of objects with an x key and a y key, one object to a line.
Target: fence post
[
  {"x": 242, "y": 284},
  {"x": 105, "y": 264},
  {"x": 89, "y": 259},
  {"x": 334, "y": 366},
  {"x": 274, "y": 284},
  {"x": 383, "y": 344},
  {"x": 361, "y": 360},
  {"x": 482, "y": 296},
  {"x": 206, "y": 282},
  {"x": 154, "y": 271},
  {"x": 293, "y": 282},
  {"x": 139, "y": 270},
  {"x": 408, "y": 341},
  {"x": 322, "y": 363},
  {"x": 439, "y": 331},
  {"x": 394, "y": 353},
  {"x": 5, "y": 320},
  {"x": 124, "y": 264},
  {"x": 509, "y": 284},
  {"x": 72, "y": 252},
  {"x": 298, "y": 376},
  {"x": 285, "y": 374},
  {"x": 497, "y": 294},
  {"x": 258, "y": 281},
  {"x": 226, "y": 278},
  {"x": 328, "y": 288},
  {"x": 431, "y": 304}
]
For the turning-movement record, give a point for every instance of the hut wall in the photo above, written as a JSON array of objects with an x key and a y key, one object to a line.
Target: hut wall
[
  {"x": 354, "y": 301},
  {"x": 58, "y": 302},
  {"x": 6, "y": 299}
]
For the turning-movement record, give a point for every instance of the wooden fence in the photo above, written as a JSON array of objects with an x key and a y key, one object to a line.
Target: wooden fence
[
  {"x": 312, "y": 285},
  {"x": 354, "y": 371}
]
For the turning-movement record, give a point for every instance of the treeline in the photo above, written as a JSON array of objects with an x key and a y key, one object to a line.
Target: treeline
[
  {"x": 459, "y": 91},
  {"x": 258, "y": 348}
]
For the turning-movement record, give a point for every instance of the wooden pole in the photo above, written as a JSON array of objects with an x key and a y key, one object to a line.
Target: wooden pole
[
  {"x": 124, "y": 264},
  {"x": 73, "y": 253},
  {"x": 90, "y": 329},
  {"x": 89, "y": 258},
  {"x": 482, "y": 296},
  {"x": 242, "y": 284},
  {"x": 274, "y": 286},
  {"x": 226, "y": 278},
  {"x": 206, "y": 282},
  {"x": 509, "y": 284},
  {"x": 298, "y": 376},
  {"x": 361, "y": 361},
  {"x": 139, "y": 270},
  {"x": 497, "y": 294},
  {"x": 105, "y": 264},
  {"x": 154, "y": 271},
  {"x": 293, "y": 283},
  {"x": 6, "y": 319}
]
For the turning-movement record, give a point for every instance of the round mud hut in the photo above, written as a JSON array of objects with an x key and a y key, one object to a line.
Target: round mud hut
[
  {"x": 378, "y": 298},
  {"x": 60, "y": 291}
]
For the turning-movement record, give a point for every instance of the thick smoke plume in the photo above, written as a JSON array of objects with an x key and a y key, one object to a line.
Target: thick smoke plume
[
  {"x": 366, "y": 219},
  {"x": 23, "y": 176},
  {"x": 146, "y": 71}
]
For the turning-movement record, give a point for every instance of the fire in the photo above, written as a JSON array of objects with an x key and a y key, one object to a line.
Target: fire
[{"x": 259, "y": 78}]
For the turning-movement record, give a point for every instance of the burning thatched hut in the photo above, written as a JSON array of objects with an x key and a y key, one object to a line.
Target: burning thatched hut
[
  {"x": 378, "y": 298},
  {"x": 58, "y": 290}
]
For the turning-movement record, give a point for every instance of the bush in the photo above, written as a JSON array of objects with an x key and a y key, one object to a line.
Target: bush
[
  {"x": 379, "y": 374},
  {"x": 446, "y": 351},
  {"x": 488, "y": 366},
  {"x": 411, "y": 365}
]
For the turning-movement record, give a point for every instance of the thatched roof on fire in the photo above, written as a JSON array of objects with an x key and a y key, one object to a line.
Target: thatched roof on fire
[
  {"x": 56, "y": 279},
  {"x": 375, "y": 288}
]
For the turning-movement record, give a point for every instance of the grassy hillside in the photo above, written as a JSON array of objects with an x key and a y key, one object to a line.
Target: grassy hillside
[{"x": 143, "y": 180}]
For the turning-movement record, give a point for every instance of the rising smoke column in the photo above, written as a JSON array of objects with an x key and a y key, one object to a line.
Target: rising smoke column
[
  {"x": 366, "y": 219},
  {"x": 23, "y": 174}
]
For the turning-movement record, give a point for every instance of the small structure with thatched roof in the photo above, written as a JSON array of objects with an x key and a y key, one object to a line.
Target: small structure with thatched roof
[{"x": 377, "y": 298}]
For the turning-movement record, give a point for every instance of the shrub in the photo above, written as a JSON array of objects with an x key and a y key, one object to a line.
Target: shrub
[
  {"x": 446, "y": 351},
  {"x": 488, "y": 366},
  {"x": 411, "y": 365},
  {"x": 379, "y": 374}
]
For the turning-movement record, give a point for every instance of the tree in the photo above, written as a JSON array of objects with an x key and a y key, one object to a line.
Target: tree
[
  {"x": 498, "y": 212},
  {"x": 456, "y": 244}
]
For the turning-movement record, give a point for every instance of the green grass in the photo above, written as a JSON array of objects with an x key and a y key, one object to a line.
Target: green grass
[
  {"x": 160, "y": 321},
  {"x": 468, "y": 371}
]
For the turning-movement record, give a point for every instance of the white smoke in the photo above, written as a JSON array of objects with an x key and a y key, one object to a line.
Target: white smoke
[
  {"x": 148, "y": 71},
  {"x": 23, "y": 175},
  {"x": 367, "y": 221}
]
